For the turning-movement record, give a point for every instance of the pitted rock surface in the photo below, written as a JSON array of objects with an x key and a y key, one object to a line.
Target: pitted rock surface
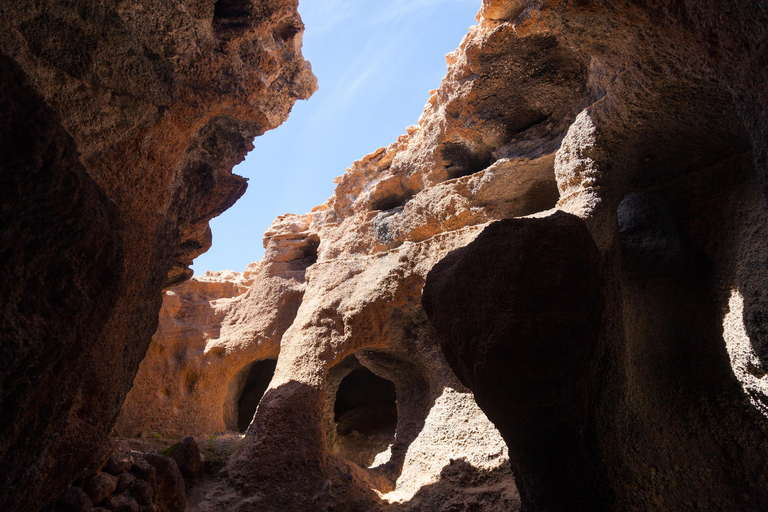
[
  {"x": 121, "y": 124},
  {"x": 614, "y": 356}
]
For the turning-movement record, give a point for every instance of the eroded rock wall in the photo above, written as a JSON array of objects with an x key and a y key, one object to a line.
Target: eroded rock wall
[
  {"x": 212, "y": 330},
  {"x": 121, "y": 124},
  {"x": 665, "y": 169},
  {"x": 584, "y": 197}
]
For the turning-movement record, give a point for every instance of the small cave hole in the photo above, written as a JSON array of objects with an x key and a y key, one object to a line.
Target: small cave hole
[
  {"x": 230, "y": 9},
  {"x": 461, "y": 161},
  {"x": 365, "y": 415},
  {"x": 310, "y": 249},
  {"x": 256, "y": 382},
  {"x": 287, "y": 31},
  {"x": 389, "y": 202}
]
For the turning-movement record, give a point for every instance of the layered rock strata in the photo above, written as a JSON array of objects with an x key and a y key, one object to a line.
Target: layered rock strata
[
  {"x": 120, "y": 125},
  {"x": 586, "y": 192}
]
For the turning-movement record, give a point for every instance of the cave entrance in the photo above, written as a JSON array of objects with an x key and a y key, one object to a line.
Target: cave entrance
[
  {"x": 364, "y": 415},
  {"x": 253, "y": 382}
]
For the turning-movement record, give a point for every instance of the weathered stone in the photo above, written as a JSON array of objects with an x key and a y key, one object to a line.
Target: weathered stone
[
  {"x": 122, "y": 502},
  {"x": 645, "y": 120},
  {"x": 119, "y": 462},
  {"x": 188, "y": 458},
  {"x": 519, "y": 311},
  {"x": 143, "y": 469},
  {"x": 142, "y": 492},
  {"x": 212, "y": 329},
  {"x": 100, "y": 486},
  {"x": 123, "y": 481},
  {"x": 73, "y": 499},
  {"x": 117, "y": 150},
  {"x": 168, "y": 486}
]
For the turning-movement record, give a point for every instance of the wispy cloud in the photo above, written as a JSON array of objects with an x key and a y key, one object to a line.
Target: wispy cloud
[
  {"x": 402, "y": 9},
  {"x": 371, "y": 62},
  {"x": 323, "y": 15}
]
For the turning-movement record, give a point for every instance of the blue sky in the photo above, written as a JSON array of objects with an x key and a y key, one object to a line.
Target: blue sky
[{"x": 375, "y": 63}]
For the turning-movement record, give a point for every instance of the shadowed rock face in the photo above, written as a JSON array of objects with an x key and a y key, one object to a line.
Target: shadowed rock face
[
  {"x": 59, "y": 277},
  {"x": 666, "y": 166},
  {"x": 618, "y": 344},
  {"x": 121, "y": 124},
  {"x": 518, "y": 311}
]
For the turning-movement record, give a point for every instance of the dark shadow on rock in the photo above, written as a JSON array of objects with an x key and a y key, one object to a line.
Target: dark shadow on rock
[
  {"x": 464, "y": 488},
  {"x": 414, "y": 402},
  {"x": 60, "y": 273},
  {"x": 519, "y": 312}
]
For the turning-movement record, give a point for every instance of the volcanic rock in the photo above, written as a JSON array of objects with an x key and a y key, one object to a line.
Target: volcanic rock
[
  {"x": 611, "y": 323},
  {"x": 168, "y": 486},
  {"x": 73, "y": 499},
  {"x": 518, "y": 311},
  {"x": 142, "y": 492},
  {"x": 119, "y": 462},
  {"x": 188, "y": 458},
  {"x": 120, "y": 126},
  {"x": 123, "y": 481},
  {"x": 122, "y": 502},
  {"x": 100, "y": 486}
]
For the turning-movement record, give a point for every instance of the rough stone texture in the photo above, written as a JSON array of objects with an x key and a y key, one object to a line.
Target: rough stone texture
[
  {"x": 73, "y": 499},
  {"x": 120, "y": 125},
  {"x": 120, "y": 462},
  {"x": 596, "y": 337},
  {"x": 188, "y": 458},
  {"x": 666, "y": 165},
  {"x": 124, "y": 480},
  {"x": 519, "y": 312},
  {"x": 211, "y": 330},
  {"x": 168, "y": 485},
  {"x": 100, "y": 486},
  {"x": 619, "y": 343},
  {"x": 142, "y": 492},
  {"x": 649, "y": 120},
  {"x": 122, "y": 502},
  {"x": 483, "y": 151}
]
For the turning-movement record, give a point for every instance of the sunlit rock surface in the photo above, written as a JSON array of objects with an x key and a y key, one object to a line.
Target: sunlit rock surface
[
  {"x": 613, "y": 328},
  {"x": 638, "y": 130},
  {"x": 621, "y": 145},
  {"x": 120, "y": 125}
]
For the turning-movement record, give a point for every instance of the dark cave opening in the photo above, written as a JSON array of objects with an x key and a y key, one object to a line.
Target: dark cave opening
[
  {"x": 230, "y": 9},
  {"x": 365, "y": 416},
  {"x": 462, "y": 161},
  {"x": 256, "y": 382}
]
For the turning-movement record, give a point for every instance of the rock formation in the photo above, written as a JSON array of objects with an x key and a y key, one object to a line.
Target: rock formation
[
  {"x": 586, "y": 191},
  {"x": 658, "y": 400},
  {"x": 573, "y": 235},
  {"x": 120, "y": 125}
]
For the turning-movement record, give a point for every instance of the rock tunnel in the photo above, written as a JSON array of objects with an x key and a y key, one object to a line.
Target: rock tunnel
[{"x": 364, "y": 414}]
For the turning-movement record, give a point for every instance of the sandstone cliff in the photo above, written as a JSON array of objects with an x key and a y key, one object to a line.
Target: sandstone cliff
[
  {"x": 613, "y": 327},
  {"x": 120, "y": 125}
]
